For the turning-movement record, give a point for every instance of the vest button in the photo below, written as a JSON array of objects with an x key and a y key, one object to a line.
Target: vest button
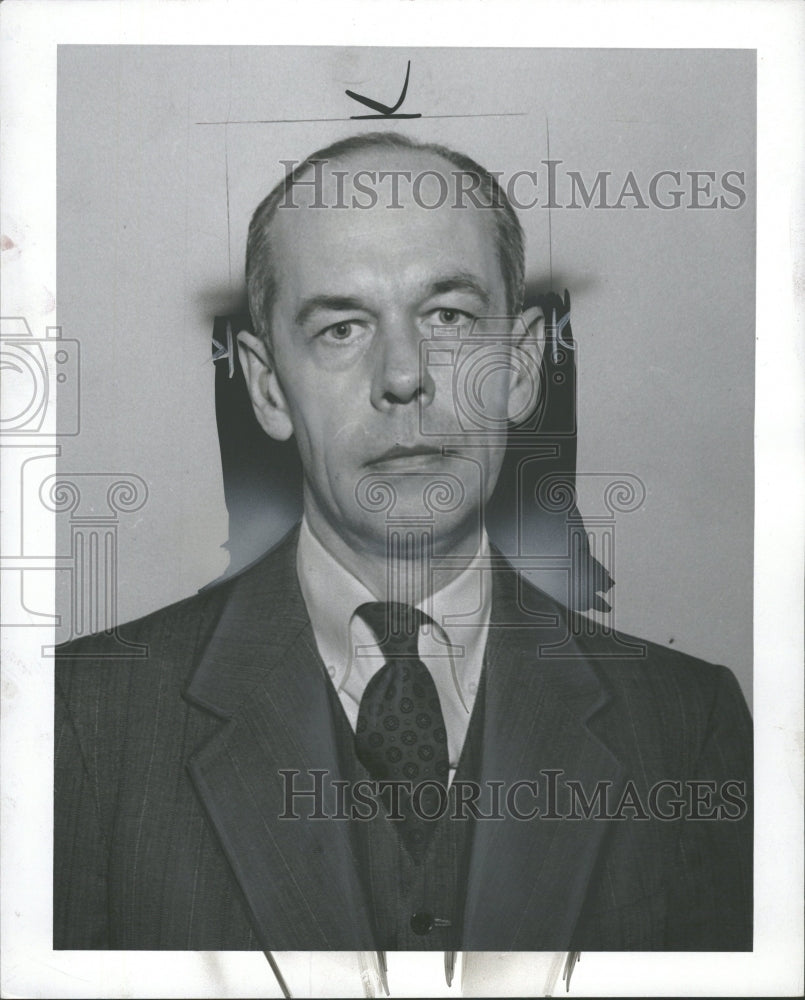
[{"x": 422, "y": 923}]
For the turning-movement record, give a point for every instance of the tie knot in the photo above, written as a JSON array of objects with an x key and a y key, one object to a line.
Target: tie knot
[{"x": 395, "y": 626}]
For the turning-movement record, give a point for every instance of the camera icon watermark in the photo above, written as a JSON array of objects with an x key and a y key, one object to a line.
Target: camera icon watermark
[
  {"x": 472, "y": 363},
  {"x": 35, "y": 370}
]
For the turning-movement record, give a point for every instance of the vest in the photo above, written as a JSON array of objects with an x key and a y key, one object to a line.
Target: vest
[{"x": 414, "y": 906}]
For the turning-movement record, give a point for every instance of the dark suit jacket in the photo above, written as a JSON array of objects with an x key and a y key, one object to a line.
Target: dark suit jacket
[{"x": 168, "y": 794}]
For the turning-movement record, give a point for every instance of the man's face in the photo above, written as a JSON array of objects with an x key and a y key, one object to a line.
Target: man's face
[{"x": 398, "y": 415}]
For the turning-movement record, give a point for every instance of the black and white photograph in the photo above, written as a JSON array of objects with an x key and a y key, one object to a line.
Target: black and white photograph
[{"x": 388, "y": 521}]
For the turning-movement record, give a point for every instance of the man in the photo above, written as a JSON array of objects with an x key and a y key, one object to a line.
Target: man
[{"x": 379, "y": 736}]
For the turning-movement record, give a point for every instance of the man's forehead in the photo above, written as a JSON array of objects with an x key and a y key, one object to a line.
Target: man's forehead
[
  {"x": 393, "y": 255},
  {"x": 383, "y": 202}
]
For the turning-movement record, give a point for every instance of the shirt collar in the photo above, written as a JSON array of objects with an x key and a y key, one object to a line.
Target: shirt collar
[{"x": 461, "y": 608}]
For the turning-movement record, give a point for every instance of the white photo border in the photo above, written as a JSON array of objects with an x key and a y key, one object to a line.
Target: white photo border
[{"x": 30, "y": 34}]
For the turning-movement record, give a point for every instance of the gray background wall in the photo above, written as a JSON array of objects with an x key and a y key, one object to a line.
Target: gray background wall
[{"x": 150, "y": 249}]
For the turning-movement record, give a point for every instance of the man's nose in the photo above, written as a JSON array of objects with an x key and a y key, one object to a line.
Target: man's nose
[{"x": 400, "y": 375}]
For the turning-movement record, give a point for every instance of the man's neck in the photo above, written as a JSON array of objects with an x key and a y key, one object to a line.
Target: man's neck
[{"x": 408, "y": 573}]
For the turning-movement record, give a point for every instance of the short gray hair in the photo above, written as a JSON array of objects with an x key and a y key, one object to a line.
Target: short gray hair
[{"x": 261, "y": 282}]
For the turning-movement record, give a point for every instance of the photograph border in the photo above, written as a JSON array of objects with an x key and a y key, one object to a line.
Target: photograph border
[{"x": 29, "y": 34}]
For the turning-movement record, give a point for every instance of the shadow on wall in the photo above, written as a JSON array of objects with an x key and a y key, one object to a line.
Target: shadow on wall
[{"x": 263, "y": 477}]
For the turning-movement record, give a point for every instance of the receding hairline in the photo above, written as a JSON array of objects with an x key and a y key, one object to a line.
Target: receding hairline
[
  {"x": 506, "y": 230},
  {"x": 302, "y": 198},
  {"x": 383, "y": 150}
]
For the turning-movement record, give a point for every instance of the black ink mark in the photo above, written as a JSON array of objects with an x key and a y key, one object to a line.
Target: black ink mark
[
  {"x": 307, "y": 121},
  {"x": 385, "y": 110},
  {"x": 570, "y": 965},
  {"x": 224, "y": 351}
]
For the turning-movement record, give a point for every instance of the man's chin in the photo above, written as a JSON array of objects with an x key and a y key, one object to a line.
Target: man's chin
[
  {"x": 422, "y": 488},
  {"x": 409, "y": 535}
]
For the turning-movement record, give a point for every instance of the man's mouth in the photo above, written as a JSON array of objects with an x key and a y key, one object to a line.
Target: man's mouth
[{"x": 402, "y": 454}]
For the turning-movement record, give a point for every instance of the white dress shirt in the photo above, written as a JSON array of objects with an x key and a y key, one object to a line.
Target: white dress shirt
[
  {"x": 454, "y": 652},
  {"x": 452, "y": 649}
]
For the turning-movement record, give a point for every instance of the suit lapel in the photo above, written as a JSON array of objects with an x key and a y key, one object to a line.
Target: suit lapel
[
  {"x": 528, "y": 878},
  {"x": 262, "y": 675}
]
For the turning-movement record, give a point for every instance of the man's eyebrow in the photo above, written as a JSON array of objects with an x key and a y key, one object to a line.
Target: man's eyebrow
[
  {"x": 335, "y": 303},
  {"x": 461, "y": 282}
]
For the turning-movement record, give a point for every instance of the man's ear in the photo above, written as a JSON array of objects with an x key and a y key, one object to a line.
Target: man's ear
[
  {"x": 268, "y": 400},
  {"x": 529, "y": 342}
]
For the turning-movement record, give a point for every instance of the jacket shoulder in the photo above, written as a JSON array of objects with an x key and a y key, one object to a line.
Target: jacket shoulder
[
  {"x": 637, "y": 663},
  {"x": 189, "y": 620},
  {"x": 659, "y": 687},
  {"x": 178, "y": 619}
]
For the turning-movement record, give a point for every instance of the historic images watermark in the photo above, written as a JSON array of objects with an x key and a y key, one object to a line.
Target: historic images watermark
[
  {"x": 552, "y": 185},
  {"x": 550, "y": 795}
]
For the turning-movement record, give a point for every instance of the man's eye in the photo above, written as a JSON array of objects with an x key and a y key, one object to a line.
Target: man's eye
[
  {"x": 346, "y": 330},
  {"x": 451, "y": 317}
]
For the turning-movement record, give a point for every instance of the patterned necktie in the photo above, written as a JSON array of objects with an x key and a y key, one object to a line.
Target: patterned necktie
[{"x": 400, "y": 735}]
